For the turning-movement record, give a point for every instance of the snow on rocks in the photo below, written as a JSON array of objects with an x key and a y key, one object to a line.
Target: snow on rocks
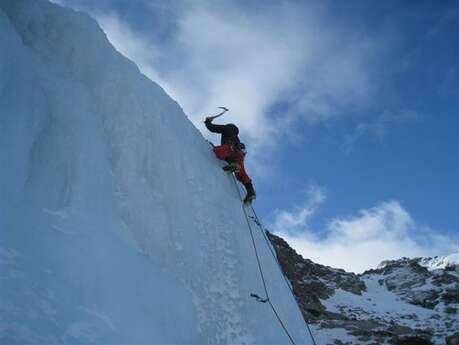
[{"x": 400, "y": 302}]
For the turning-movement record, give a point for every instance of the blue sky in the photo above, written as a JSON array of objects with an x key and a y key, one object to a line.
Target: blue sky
[{"x": 350, "y": 110}]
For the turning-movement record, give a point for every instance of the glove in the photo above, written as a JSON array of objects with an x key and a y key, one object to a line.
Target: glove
[{"x": 209, "y": 119}]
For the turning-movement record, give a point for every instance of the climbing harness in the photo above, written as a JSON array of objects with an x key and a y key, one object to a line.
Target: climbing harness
[{"x": 257, "y": 221}]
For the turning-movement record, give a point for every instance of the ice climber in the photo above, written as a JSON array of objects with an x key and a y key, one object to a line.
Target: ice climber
[{"x": 232, "y": 151}]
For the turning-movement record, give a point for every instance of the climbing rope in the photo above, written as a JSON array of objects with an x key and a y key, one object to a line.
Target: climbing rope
[
  {"x": 267, "y": 299},
  {"x": 257, "y": 221},
  {"x": 269, "y": 244}
]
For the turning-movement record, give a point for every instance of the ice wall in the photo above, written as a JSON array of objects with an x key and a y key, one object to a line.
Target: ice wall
[{"x": 117, "y": 224}]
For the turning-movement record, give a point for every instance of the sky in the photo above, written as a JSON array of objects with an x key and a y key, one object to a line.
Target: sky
[{"x": 349, "y": 110}]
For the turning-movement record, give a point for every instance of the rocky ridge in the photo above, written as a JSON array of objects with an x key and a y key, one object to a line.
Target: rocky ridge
[{"x": 404, "y": 301}]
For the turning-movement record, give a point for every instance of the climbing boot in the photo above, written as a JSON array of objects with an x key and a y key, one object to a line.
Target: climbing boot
[{"x": 251, "y": 195}]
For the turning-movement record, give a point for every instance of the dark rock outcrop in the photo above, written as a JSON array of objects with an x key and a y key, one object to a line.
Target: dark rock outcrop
[{"x": 312, "y": 282}]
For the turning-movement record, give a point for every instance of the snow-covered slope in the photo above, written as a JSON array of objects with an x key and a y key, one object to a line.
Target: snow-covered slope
[
  {"x": 401, "y": 302},
  {"x": 117, "y": 224}
]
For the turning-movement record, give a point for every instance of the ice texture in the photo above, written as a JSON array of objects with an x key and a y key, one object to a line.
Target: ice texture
[{"x": 117, "y": 224}]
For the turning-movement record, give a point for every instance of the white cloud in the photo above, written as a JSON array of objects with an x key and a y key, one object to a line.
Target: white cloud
[
  {"x": 250, "y": 60},
  {"x": 287, "y": 53},
  {"x": 357, "y": 243},
  {"x": 243, "y": 61},
  {"x": 291, "y": 222}
]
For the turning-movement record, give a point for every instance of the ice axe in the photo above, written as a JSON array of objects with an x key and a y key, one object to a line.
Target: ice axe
[{"x": 224, "y": 110}]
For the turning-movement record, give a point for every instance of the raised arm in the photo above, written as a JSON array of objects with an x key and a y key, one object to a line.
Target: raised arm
[{"x": 214, "y": 128}]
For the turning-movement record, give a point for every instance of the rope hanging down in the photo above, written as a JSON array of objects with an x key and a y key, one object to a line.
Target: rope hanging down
[
  {"x": 261, "y": 270},
  {"x": 257, "y": 221}
]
